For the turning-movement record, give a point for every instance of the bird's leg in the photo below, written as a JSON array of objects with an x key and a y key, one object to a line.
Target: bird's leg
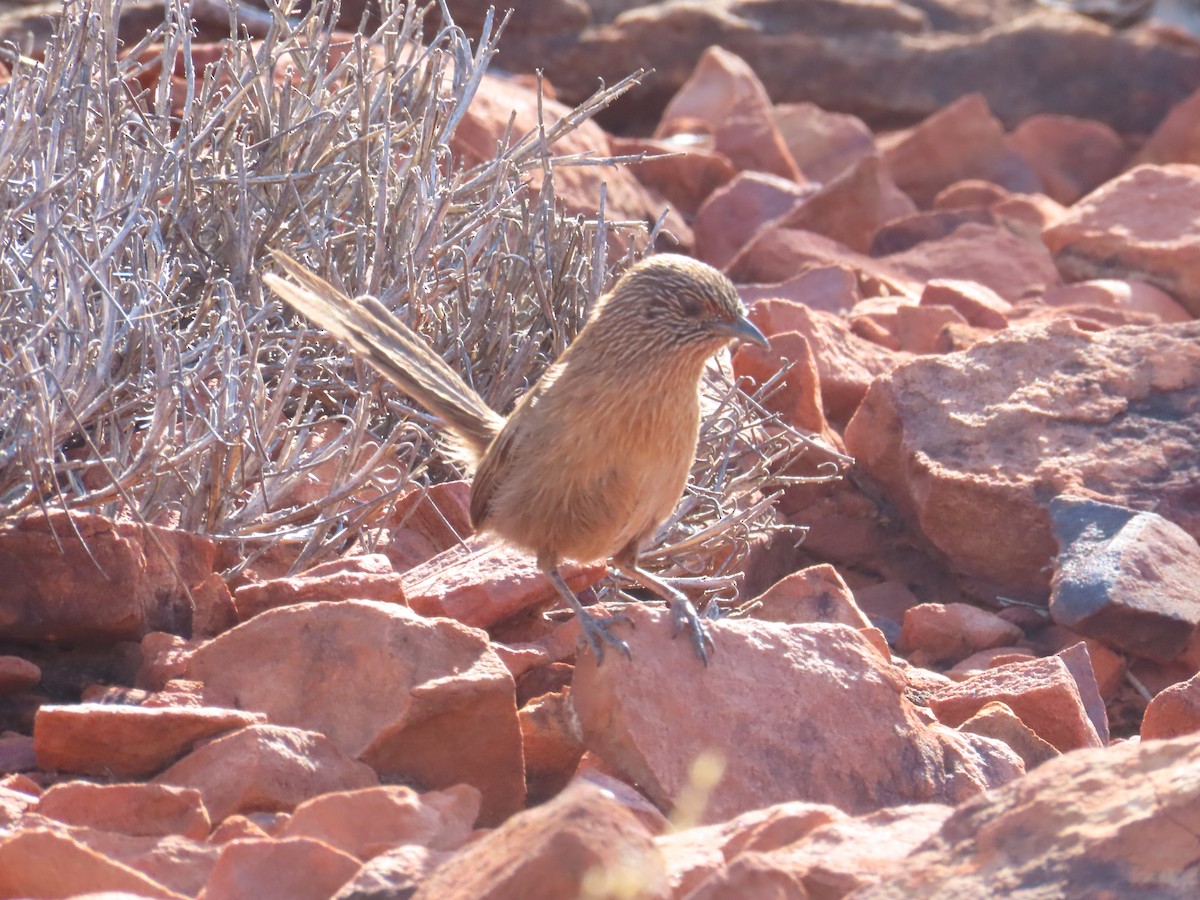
[
  {"x": 595, "y": 628},
  {"x": 682, "y": 610}
]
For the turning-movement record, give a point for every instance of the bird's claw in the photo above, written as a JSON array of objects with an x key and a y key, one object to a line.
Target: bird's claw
[
  {"x": 683, "y": 613},
  {"x": 596, "y": 631}
]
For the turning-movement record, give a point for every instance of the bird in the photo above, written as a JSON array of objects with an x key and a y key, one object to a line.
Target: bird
[{"x": 595, "y": 456}]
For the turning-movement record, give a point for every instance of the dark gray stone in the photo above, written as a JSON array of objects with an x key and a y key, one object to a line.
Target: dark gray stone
[{"x": 1128, "y": 578}]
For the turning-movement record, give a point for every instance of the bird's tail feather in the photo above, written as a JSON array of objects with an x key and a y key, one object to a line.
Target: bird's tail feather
[{"x": 394, "y": 350}]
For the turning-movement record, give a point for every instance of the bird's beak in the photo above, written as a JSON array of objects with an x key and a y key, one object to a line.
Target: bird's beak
[{"x": 741, "y": 330}]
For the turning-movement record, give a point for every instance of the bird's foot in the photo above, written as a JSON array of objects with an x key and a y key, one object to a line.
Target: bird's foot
[
  {"x": 597, "y": 631},
  {"x": 684, "y": 614}
]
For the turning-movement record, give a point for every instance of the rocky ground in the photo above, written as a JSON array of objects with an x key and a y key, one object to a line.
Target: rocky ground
[{"x": 970, "y": 231}]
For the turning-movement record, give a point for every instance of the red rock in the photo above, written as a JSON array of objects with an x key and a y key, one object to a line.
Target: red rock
[
  {"x": 919, "y": 328},
  {"x": 17, "y": 674},
  {"x": 292, "y": 869},
  {"x": 551, "y": 747},
  {"x": 1135, "y": 296},
  {"x": 1108, "y": 668},
  {"x": 908, "y": 231},
  {"x": 693, "y": 855},
  {"x": 885, "y": 604},
  {"x": 779, "y": 315},
  {"x": 503, "y": 107},
  {"x": 544, "y": 679},
  {"x": 22, "y": 784},
  {"x": 82, "y": 577},
  {"x": 847, "y": 364},
  {"x": 993, "y": 256},
  {"x": 1102, "y": 315},
  {"x": 779, "y": 254},
  {"x": 970, "y": 193},
  {"x": 396, "y": 873},
  {"x": 1146, "y": 680},
  {"x": 554, "y": 846},
  {"x": 1177, "y": 137},
  {"x": 770, "y": 685},
  {"x": 979, "y": 305},
  {"x": 1042, "y": 692},
  {"x": 42, "y": 863},
  {"x": 1191, "y": 653},
  {"x": 164, "y": 657},
  {"x": 629, "y": 797},
  {"x": 823, "y": 144},
  {"x": 235, "y": 827},
  {"x": 483, "y": 582},
  {"x": 962, "y": 140},
  {"x": 922, "y": 683},
  {"x": 859, "y": 535},
  {"x": 836, "y": 859},
  {"x": 268, "y": 560},
  {"x": 971, "y": 472},
  {"x": 851, "y": 207},
  {"x": 683, "y": 171},
  {"x": 877, "y": 324},
  {"x": 369, "y": 577},
  {"x": 125, "y": 741},
  {"x": 1071, "y": 157},
  {"x": 982, "y": 660},
  {"x": 367, "y": 822},
  {"x": 135, "y": 809},
  {"x": 797, "y": 396},
  {"x": 750, "y": 875},
  {"x": 1027, "y": 215},
  {"x": 887, "y": 63},
  {"x": 1117, "y": 822},
  {"x": 557, "y": 645},
  {"x": 447, "y": 713},
  {"x": 1078, "y": 659},
  {"x": 272, "y": 823},
  {"x": 405, "y": 548},
  {"x": 13, "y": 805},
  {"x": 876, "y": 319},
  {"x": 1173, "y": 712},
  {"x": 828, "y": 288},
  {"x": 950, "y": 632},
  {"x": 266, "y": 768},
  {"x": 1086, "y": 318},
  {"x": 815, "y": 594},
  {"x": 178, "y": 863},
  {"x": 16, "y": 753},
  {"x": 177, "y": 692},
  {"x": 1124, "y": 577},
  {"x": 735, "y": 212},
  {"x": 1141, "y": 226},
  {"x": 997, "y": 720},
  {"x": 724, "y": 98},
  {"x": 440, "y": 512}
]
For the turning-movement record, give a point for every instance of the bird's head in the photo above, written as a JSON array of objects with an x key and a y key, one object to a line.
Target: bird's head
[{"x": 676, "y": 301}]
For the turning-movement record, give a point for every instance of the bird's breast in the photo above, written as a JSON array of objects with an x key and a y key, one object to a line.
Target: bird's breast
[{"x": 595, "y": 466}]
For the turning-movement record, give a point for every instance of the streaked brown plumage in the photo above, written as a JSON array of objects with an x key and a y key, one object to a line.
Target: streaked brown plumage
[{"x": 596, "y": 455}]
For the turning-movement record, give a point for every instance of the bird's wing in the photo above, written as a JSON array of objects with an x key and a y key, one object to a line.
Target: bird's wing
[
  {"x": 489, "y": 474},
  {"x": 496, "y": 463},
  {"x": 394, "y": 350}
]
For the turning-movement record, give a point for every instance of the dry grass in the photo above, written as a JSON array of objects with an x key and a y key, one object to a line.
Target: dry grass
[{"x": 145, "y": 372}]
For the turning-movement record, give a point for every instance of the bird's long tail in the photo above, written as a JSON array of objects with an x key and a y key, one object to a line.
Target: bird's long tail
[{"x": 394, "y": 350}]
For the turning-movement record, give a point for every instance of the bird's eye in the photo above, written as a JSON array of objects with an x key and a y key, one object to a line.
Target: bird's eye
[{"x": 691, "y": 308}]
